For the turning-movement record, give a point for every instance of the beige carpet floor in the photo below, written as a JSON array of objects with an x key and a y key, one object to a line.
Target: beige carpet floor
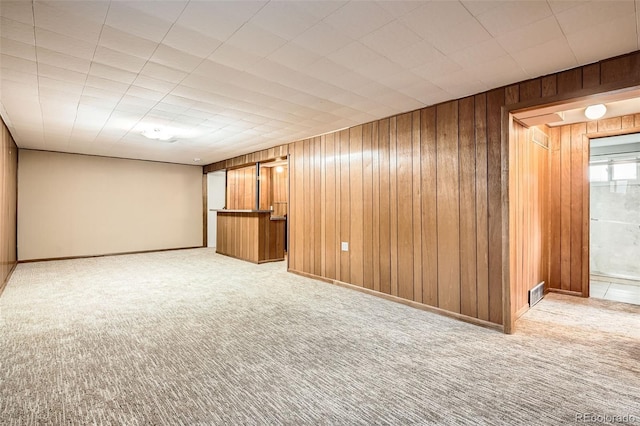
[{"x": 190, "y": 337}]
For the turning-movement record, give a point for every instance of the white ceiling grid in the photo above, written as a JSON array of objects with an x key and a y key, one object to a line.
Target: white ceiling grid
[{"x": 231, "y": 77}]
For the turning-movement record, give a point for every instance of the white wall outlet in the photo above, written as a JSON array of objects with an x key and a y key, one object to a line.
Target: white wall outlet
[{"x": 344, "y": 246}]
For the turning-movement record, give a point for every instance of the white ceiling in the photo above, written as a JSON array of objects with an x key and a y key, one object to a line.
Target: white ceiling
[{"x": 232, "y": 77}]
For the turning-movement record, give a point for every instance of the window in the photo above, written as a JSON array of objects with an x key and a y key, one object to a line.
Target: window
[
  {"x": 625, "y": 171},
  {"x": 599, "y": 173}
]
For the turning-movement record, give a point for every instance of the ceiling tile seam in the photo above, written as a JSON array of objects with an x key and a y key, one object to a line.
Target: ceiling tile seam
[
  {"x": 73, "y": 126},
  {"x": 187, "y": 74},
  {"x": 35, "y": 40},
  {"x": 147, "y": 60},
  {"x": 555, "y": 17}
]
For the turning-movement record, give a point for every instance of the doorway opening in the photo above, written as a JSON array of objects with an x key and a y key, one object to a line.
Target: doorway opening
[{"x": 614, "y": 181}]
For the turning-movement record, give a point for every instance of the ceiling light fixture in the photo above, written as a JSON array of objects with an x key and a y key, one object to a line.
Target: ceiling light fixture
[
  {"x": 279, "y": 169},
  {"x": 156, "y": 133},
  {"x": 593, "y": 112},
  {"x": 195, "y": 160}
]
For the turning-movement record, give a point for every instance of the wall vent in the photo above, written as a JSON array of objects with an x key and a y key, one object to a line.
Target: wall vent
[{"x": 536, "y": 294}]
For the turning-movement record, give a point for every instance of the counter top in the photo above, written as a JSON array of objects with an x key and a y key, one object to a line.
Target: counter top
[{"x": 239, "y": 211}]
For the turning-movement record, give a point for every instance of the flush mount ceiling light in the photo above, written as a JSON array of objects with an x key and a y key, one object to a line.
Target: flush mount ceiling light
[
  {"x": 156, "y": 133},
  {"x": 594, "y": 112},
  {"x": 279, "y": 169}
]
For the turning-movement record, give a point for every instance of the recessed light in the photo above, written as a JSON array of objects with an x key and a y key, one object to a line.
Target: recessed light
[
  {"x": 195, "y": 160},
  {"x": 593, "y": 112}
]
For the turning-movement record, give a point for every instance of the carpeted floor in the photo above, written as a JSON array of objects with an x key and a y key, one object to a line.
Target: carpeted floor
[{"x": 191, "y": 337}]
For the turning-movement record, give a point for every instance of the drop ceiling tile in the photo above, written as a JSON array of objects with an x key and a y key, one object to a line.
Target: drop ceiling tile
[
  {"x": 293, "y": 56},
  {"x": 285, "y": 19},
  {"x": 66, "y": 22},
  {"x": 94, "y": 101},
  {"x": 17, "y": 49},
  {"x": 390, "y": 38},
  {"x": 322, "y": 39},
  {"x": 64, "y": 44},
  {"x": 141, "y": 92},
  {"x": 116, "y": 59},
  {"x": 111, "y": 73},
  {"x": 530, "y": 35},
  {"x": 324, "y": 68},
  {"x": 125, "y": 18},
  {"x": 433, "y": 17},
  {"x": 255, "y": 40},
  {"x": 17, "y": 31},
  {"x": 546, "y": 58},
  {"x": 18, "y": 64},
  {"x": 400, "y": 7},
  {"x": 561, "y": 5},
  {"x": 234, "y": 57},
  {"x": 136, "y": 101},
  {"x": 170, "y": 57},
  {"x": 61, "y": 60},
  {"x": 354, "y": 55},
  {"x": 61, "y": 74},
  {"x": 161, "y": 72},
  {"x": 217, "y": 19},
  {"x": 357, "y": 19},
  {"x": 459, "y": 36},
  {"x": 125, "y": 42},
  {"x": 436, "y": 68},
  {"x": 610, "y": 38},
  {"x": 111, "y": 86},
  {"x": 191, "y": 42},
  {"x": 479, "y": 53},
  {"x": 478, "y": 7},
  {"x": 8, "y": 75},
  {"x": 417, "y": 54},
  {"x": 166, "y": 10},
  {"x": 380, "y": 68},
  {"x": 54, "y": 89},
  {"x": 498, "y": 72},
  {"x": 588, "y": 14},
  {"x": 20, "y": 11},
  {"x": 153, "y": 84},
  {"x": 512, "y": 15}
]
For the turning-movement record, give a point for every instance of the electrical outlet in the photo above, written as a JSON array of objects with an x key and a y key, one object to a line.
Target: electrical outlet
[{"x": 345, "y": 246}]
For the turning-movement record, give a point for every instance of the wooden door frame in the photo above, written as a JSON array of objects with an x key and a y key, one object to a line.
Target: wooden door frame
[{"x": 586, "y": 95}]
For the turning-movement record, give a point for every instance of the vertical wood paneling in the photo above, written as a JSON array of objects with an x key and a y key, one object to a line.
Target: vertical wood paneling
[
  {"x": 367, "y": 207},
  {"x": 482, "y": 209},
  {"x": 331, "y": 243},
  {"x": 555, "y": 208},
  {"x": 468, "y": 236},
  {"x": 345, "y": 205},
  {"x": 316, "y": 217},
  {"x": 385, "y": 206},
  {"x": 298, "y": 233},
  {"x": 429, "y": 176},
  {"x": 577, "y": 187},
  {"x": 448, "y": 208},
  {"x": 356, "y": 242},
  {"x": 393, "y": 203},
  {"x": 375, "y": 149},
  {"x": 495, "y": 100},
  {"x": 307, "y": 182},
  {"x": 417, "y": 206},
  {"x": 565, "y": 207},
  {"x": 405, "y": 205}
]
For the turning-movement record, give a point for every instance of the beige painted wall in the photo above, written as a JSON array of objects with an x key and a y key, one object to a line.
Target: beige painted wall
[{"x": 78, "y": 205}]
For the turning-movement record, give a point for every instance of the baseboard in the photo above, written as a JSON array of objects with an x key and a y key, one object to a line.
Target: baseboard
[
  {"x": 49, "y": 259},
  {"x": 567, "y": 292},
  {"x": 6, "y": 280},
  {"x": 413, "y": 304}
]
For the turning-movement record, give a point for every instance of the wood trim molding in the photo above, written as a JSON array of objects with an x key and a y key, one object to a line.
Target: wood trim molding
[
  {"x": 407, "y": 302},
  {"x": 6, "y": 280},
  {"x": 50, "y": 259}
]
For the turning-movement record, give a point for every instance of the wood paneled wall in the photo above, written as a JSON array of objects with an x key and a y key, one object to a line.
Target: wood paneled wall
[
  {"x": 241, "y": 188},
  {"x": 569, "y": 199},
  {"x": 528, "y": 212},
  {"x": 274, "y": 189},
  {"x": 8, "y": 197},
  {"x": 279, "y": 151},
  {"x": 412, "y": 196},
  {"x": 422, "y": 193}
]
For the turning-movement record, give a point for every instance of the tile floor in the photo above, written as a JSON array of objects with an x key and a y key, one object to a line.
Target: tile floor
[{"x": 615, "y": 289}]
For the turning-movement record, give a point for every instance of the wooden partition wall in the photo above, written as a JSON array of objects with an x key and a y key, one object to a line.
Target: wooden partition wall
[
  {"x": 416, "y": 197},
  {"x": 569, "y": 198},
  {"x": 241, "y": 188},
  {"x": 274, "y": 190},
  {"x": 8, "y": 197},
  {"x": 423, "y": 198},
  {"x": 529, "y": 212}
]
